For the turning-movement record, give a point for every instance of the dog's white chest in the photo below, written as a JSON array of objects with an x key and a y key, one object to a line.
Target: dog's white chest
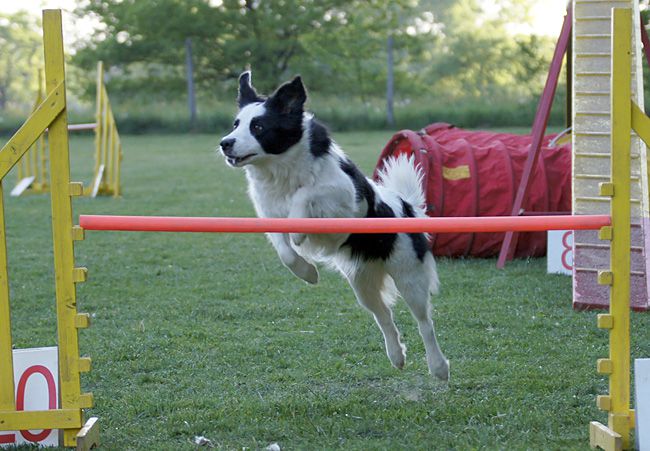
[
  {"x": 272, "y": 197},
  {"x": 270, "y": 201}
]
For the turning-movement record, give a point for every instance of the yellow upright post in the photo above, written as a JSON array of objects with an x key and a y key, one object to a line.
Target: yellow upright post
[
  {"x": 62, "y": 233},
  {"x": 104, "y": 139},
  {"x": 6, "y": 359},
  {"x": 108, "y": 150},
  {"x": 116, "y": 158},
  {"x": 115, "y": 155},
  {"x": 617, "y": 366},
  {"x": 108, "y": 160},
  {"x": 619, "y": 339},
  {"x": 98, "y": 116}
]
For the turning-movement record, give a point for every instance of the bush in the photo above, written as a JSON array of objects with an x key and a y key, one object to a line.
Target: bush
[{"x": 337, "y": 113}]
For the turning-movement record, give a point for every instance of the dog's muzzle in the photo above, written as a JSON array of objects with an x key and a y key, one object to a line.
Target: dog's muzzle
[{"x": 227, "y": 147}]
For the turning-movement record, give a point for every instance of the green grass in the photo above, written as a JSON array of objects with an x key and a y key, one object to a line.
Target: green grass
[{"x": 199, "y": 334}]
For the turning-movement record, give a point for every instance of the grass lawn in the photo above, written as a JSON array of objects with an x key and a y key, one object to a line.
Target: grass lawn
[{"x": 199, "y": 334}]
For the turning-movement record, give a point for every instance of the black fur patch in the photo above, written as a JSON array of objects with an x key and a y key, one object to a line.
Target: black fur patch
[
  {"x": 247, "y": 93},
  {"x": 319, "y": 140},
  {"x": 419, "y": 240},
  {"x": 279, "y": 131},
  {"x": 369, "y": 246},
  {"x": 363, "y": 189}
]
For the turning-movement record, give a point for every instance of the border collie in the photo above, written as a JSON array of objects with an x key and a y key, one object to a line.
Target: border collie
[{"x": 295, "y": 170}]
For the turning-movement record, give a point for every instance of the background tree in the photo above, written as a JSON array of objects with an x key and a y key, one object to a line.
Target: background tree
[
  {"x": 144, "y": 40},
  {"x": 20, "y": 59},
  {"x": 449, "y": 55},
  {"x": 482, "y": 55}
]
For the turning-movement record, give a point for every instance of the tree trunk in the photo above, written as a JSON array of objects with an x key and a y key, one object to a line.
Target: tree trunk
[
  {"x": 3, "y": 98},
  {"x": 390, "y": 82},
  {"x": 191, "y": 98}
]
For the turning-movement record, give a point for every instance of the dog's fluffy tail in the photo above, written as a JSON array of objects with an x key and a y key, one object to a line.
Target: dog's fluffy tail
[{"x": 400, "y": 175}]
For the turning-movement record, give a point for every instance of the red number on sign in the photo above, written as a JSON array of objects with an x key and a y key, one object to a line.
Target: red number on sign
[
  {"x": 568, "y": 251},
  {"x": 20, "y": 398},
  {"x": 7, "y": 438}
]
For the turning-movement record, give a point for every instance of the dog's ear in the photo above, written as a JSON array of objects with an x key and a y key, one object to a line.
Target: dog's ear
[
  {"x": 247, "y": 93},
  {"x": 289, "y": 98}
]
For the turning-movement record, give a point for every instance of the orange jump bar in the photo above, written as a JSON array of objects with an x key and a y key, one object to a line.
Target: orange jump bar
[{"x": 343, "y": 225}]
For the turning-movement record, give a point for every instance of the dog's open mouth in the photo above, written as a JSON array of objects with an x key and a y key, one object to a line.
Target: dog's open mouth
[{"x": 236, "y": 161}]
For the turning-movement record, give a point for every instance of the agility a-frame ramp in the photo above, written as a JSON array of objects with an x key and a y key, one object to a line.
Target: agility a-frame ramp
[
  {"x": 593, "y": 100},
  {"x": 50, "y": 114},
  {"x": 106, "y": 178},
  {"x": 587, "y": 33}
]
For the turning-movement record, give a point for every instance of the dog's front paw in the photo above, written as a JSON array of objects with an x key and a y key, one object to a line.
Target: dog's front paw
[
  {"x": 397, "y": 355},
  {"x": 441, "y": 371},
  {"x": 304, "y": 270},
  {"x": 308, "y": 273},
  {"x": 297, "y": 238}
]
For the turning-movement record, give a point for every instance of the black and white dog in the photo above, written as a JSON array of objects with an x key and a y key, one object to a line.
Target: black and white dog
[{"x": 295, "y": 170}]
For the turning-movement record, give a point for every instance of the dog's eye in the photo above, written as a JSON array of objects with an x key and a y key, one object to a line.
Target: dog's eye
[
  {"x": 236, "y": 124},
  {"x": 257, "y": 128}
]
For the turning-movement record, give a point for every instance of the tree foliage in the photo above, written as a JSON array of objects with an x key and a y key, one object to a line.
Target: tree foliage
[
  {"x": 276, "y": 38},
  {"x": 20, "y": 56},
  {"x": 444, "y": 50},
  {"x": 453, "y": 48}
]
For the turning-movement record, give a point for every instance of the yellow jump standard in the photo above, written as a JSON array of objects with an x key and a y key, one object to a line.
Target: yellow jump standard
[
  {"x": 626, "y": 116},
  {"x": 32, "y": 169},
  {"x": 51, "y": 113}
]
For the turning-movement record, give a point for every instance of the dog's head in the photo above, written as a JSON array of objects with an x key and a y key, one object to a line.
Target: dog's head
[{"x": 264, "y": 127}]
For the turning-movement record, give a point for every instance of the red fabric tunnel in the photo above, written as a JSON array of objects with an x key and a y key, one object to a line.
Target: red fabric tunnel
[{"x": 477, "y": 173}]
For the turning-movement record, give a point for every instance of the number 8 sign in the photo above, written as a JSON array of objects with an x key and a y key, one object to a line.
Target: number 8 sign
[
  {"x": 560, "y": 252},
  {"x": 36, "y": 380}
]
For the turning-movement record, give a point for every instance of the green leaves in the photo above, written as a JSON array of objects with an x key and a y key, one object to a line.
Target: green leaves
[
  {"x": 445, "y": 51},
  {"x": 336, "y": 44},
  {"x": 20, "y": 59}
]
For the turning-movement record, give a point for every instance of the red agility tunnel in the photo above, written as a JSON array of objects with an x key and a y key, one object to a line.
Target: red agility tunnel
[{"x": 476, "y": 173}]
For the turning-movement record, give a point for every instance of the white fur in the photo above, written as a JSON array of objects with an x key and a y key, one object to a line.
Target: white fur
[
  {"x": 297, "y": 184},
  {"x": 245, "y": 143},
  {"x": 400, "y": 175}
]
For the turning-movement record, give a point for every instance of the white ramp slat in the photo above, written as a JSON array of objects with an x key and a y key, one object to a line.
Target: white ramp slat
[
  {"x": 98, "y": 181},
  {"x": 22, "y": 186}
]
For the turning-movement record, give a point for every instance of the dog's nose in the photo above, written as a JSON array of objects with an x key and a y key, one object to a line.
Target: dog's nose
[{"x": 227, "y": 145}]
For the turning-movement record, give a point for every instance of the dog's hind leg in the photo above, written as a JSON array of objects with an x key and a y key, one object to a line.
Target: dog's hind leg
[
  {"x": 375, "y": 291},
  {"x": 298, "y": 265},
  {"x": 415, "y": 283}
]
